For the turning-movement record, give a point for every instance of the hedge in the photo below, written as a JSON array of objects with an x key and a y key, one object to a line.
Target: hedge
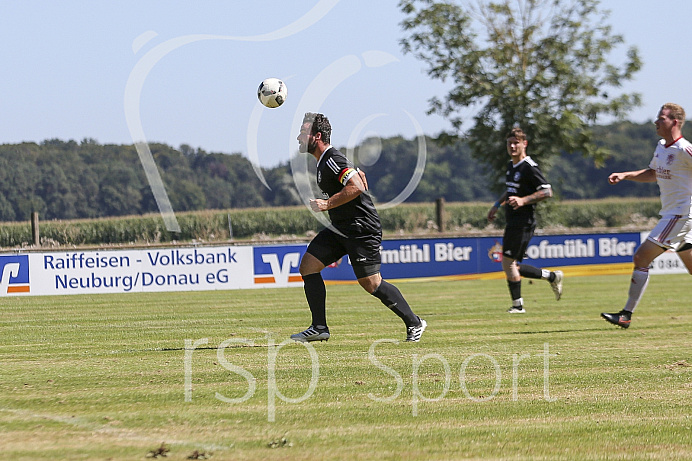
[{"x": 299, "y": 223}]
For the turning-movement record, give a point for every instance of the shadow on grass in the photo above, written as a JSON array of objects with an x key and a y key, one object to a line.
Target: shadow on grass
[{"x": 543, "y": 332}]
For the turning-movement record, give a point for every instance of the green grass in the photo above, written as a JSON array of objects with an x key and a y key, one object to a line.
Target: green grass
[{"x": 103, "y": 377}]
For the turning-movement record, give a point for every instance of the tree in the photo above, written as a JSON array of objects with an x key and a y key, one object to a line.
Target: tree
[
  {"x": 119, "y": 192},
  {"x": 539, "y": 64}
]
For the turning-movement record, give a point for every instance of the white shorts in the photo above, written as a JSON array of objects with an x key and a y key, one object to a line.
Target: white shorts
[{"x": 672, "y": 232}]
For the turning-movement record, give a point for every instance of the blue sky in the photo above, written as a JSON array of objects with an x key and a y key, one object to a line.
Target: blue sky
[{"x": 187, "y": 72}]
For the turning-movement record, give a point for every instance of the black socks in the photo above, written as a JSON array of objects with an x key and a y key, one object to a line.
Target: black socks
[
  {"x": 529, "y": 272},
  {"x": 316, "y": 294},
  {"x": 393, "y": 299},
  {"x": 514, "y": 289}
]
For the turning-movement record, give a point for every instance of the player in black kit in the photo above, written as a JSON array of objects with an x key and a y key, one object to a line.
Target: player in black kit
[
  {"x": 526, "y": 186},
  {"x": 355, "y": 231}
]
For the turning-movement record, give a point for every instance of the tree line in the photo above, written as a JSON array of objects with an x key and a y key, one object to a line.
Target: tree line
[{"x": 71, "y": 180}]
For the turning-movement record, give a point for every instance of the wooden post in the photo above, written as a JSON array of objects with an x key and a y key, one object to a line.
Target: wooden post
[
  {"x": 34, "y": 228},
  {"x": 440, "y": 214}
]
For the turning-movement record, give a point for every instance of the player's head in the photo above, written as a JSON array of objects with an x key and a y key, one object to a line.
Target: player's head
[
  {"x": 516, "y": 143},
  {"x": 675, "y": 112},
  {"x": 669, "y": 122},
  {"x": 314, "y": 127},
  {"x": 517, "y": 132}
]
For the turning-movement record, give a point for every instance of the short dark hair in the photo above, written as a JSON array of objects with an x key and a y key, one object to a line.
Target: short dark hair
[
  {"x": 320, "y": 124},
  {"x": 516, "y": 132}
]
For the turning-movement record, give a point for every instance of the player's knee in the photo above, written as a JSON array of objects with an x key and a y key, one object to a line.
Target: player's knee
[
  {"x": 310, "y": 265},
  {"x": 368, "y": 286},
  {"x": 640, "y": 261},
  {"x": 370, "y": 283},
  {"x": 303, "y": 269}
]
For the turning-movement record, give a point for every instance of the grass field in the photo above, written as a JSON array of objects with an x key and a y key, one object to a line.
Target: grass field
[{"x": 208, "y": 374}]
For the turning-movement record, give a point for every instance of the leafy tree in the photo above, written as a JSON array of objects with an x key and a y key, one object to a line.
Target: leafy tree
[
  {"x": 119, "y": 192},
  {"x": 186, "y": 195},
  {"x": 539, "y": 64},
  {"x": 86, "y": 189},
  {"x": 63, "y": 180},
  {"x": 283, "y": 190},
  {"x": 55, "y": 190},
  {"x": 21, "y": 186},
  {"x": 6, "y": 210}
]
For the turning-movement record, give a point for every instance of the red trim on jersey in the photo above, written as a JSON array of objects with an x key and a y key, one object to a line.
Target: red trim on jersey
[{"x": 668, "y": 145}]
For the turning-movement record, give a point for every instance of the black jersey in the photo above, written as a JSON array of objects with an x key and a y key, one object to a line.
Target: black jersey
[
  {"x": 357, "y": 216},
  {"x": 523, "y": 179}
]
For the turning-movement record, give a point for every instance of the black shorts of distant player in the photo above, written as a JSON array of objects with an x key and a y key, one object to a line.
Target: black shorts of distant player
[{"x": 516, "y": 240}]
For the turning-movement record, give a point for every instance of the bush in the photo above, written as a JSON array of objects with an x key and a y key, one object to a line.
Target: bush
[{"x": 298, "y": 222}]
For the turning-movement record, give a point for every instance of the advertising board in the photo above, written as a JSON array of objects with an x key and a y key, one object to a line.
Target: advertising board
[{"x": 270, "y": 266}]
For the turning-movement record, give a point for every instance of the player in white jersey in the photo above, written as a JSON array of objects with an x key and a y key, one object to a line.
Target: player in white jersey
[{"x": 671, "y": 167}]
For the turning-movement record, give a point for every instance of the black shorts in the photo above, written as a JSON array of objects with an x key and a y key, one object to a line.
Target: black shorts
[
  {"x": 515, "y": 241},
  {"x": 363, "y": 250}
]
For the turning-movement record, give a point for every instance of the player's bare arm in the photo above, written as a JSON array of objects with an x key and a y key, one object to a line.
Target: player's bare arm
[
  {"x": 353, "y": 188},
  {"x": 645, "y": 175},
  {"x": 363, "y": 179},
  {"x": 538, "y": 196},
  {"x": 492, "y": 213}
]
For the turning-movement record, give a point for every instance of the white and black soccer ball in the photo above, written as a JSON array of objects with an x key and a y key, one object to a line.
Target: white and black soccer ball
[{"x": 272, "y": 92}]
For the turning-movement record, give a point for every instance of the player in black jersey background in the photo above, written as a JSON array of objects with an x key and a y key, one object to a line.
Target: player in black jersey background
[
  {"x": 355, "y": 231},
  {"x": 526, "y": 186}
]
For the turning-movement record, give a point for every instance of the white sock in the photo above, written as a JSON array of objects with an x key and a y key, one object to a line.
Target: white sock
[
  {"x": 545, "y": 274},
  {"x": 640, "y": 279}
]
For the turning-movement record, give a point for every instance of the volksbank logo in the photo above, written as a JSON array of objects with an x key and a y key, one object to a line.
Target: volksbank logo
[
  {"x": 14, "y": 274},
  {"x": 277, "y": 265}
]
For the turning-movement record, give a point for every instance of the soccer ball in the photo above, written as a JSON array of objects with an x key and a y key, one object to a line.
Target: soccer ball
[{"x": 272, "y": 92}]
